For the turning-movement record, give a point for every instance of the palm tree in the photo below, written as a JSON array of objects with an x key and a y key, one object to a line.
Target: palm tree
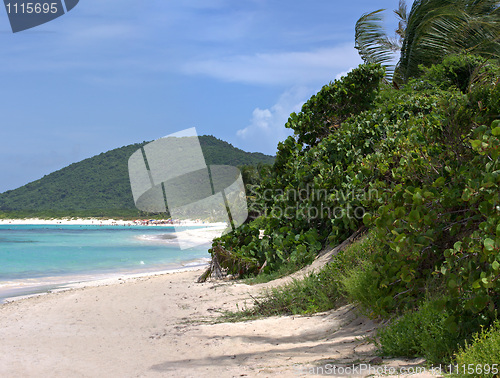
[
  {"x": 431, "y": 30},
  {"x": 372, "y": 42}
]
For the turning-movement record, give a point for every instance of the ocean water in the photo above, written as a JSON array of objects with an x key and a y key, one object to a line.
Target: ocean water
[{"x": 37, "y": 257}]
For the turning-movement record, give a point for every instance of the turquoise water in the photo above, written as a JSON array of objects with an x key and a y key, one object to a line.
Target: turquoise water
[{"x": 33, "y": 255}]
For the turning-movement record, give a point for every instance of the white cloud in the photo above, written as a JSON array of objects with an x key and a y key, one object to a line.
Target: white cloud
[
  {"x": 267, "y": 126},
  {"x": 289, "y": 68}
]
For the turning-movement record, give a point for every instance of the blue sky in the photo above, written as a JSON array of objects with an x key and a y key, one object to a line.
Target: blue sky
[{"x": 115, "y": 72}]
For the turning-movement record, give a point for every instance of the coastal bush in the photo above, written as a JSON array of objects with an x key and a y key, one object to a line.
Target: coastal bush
[
  {"x": 325, "y": 111},
  {"x": 440, "y": 210},
  {"x": 360, "y": 285},
  {"x": 482, "y": 351},
  {"x": 357, "y": 278},
  {"x": 420, "y": 333},
  {"x": 444, "y": 220},
  {"x": 316, "y": 292},
  {"x": 460, "y": 72},
  {"x": 283, "y": 246},
  {"x": 422, "y": 166},
  {"x": 311, "y": 197}
]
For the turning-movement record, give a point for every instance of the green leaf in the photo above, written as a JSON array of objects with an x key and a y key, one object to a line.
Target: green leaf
[
  {"x": 489, "y": 244},
  {"x": 428, "y": 194},
  {"x": 466, "y": 194},
  {"x": 400, "y": 212},
  {"x": 439, "y": 182},
  {"x": 496, "y": 131},
  {"x": 451, "y": 325},
  {"x": 414, "y": 216},
  {"x": 480, "y": 302},
  {"x": 417, "y": 198},
  {"x": 400, "y": 237},
  {"x": 475, "y": 144},
  {"x": 495, "y": 265},
  {"x": 301, "y": 249}
]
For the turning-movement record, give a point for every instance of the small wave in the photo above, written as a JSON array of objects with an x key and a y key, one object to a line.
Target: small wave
[
  {"x": 197, "y": 262},
  {"x": 5, "y": 240},
  {"x": 157, "y": 237}
]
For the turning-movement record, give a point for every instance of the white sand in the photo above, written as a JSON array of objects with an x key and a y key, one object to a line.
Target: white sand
[
  {"x": 161, "y": 327},
  {"x": 99, "y": 221}
]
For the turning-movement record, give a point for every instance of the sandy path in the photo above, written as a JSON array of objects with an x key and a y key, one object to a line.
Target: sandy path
[{"x": 157, "y": 327}]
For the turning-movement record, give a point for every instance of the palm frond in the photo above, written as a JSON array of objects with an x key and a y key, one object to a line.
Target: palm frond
[
  {"x": 372, "y": 43},
  {"x": 441, "y": 27},
  {"x": 402, "y": 15},
  {"x": 458, "y": 31}
]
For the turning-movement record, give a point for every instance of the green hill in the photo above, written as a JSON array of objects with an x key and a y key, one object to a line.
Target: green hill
[{"x": 99, "y": 186}]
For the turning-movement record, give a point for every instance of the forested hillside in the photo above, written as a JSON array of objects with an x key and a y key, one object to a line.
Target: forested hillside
[{"x": 99, "y": 186}]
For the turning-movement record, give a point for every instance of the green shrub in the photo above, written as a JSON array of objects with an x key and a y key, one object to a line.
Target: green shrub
[
  {"x": 316, "y": 292},
  {"x": 456, "y": 71},
  {"x": 309, "y": 199},
  {"x": 360, "y": 285},
  {"x": 420, "y": 333},
  {"x": 362, "y": 280},
  {"x": 483, "y": 352},
  {"x": 319, "y": 291},
  {"x": 422, "y": 166},
  {"x": 282, "y": 271}
]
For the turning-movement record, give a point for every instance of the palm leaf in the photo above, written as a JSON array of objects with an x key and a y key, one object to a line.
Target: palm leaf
[
  {"x": 372, "y": 43},
  {"x": 441, "y": 27},
  {"x": 402, "y": 14}
]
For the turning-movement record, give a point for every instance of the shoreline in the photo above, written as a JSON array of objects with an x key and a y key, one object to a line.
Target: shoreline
[
  {"x": 36, "y": 286},
  {"x": 103, "y": 222},
  {"x": 21, "y": 291},
  {"x": 166, "y": 325}
]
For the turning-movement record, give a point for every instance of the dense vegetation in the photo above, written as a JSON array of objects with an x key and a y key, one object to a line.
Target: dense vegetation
[
  {"x": 99, "y": 186},
  {"x": 430, "y": 30},
  {"x": 416, "y": 159}
]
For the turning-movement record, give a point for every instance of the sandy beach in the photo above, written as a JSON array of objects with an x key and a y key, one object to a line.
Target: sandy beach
[
  {"x": 102, "y": 222},
  {"x": 166, "y": 325},
  {"x": 163, "y": 326}
]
